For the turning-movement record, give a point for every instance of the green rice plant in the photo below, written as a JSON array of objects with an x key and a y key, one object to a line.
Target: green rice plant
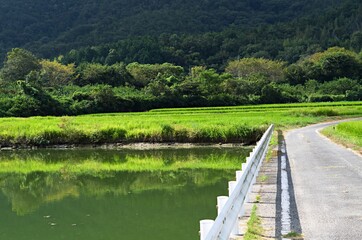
[
  {"x": 243, "y": 133},
  {"x": 167, "y": 133},
  {"x": 241, "y": 124},
  {"x": 182, "y": 135},
  {"x": 111, "y": 134},
  {"x": 324, "y": 112}
]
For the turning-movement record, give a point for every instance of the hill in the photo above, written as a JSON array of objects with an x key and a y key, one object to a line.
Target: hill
[
  {"x": 183, "y": 32},
  {"x": 88, "y": 56}
]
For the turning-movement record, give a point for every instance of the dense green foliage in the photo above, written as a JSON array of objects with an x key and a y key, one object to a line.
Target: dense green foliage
[
  {"x": 243, "y": 124},
  {"x": 184, "y": 33},
  {"x": 32, "y": 86}
]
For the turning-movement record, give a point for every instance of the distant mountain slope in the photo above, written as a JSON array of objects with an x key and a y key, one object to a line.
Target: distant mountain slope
[{"x": 51, "y": 27}]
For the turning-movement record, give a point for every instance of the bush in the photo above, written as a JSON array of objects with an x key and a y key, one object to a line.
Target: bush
[
  {"x": 95, "y": 73},
  {"x": 143, "y": 74},
  {"x": 338, "y": 87},
  {"x": 82, "y": 107},
  {"x": 354, "y": 95},
  {"x": 320, "y": 98},
  {"x": 24, "y": 106}
]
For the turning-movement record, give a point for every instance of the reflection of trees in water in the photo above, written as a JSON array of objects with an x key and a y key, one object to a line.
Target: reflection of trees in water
[
  {"x": 168, "y": 155},
  {"x": 27, "y": 192}
]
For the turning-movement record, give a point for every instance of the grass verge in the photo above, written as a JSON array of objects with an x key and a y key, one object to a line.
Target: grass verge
[{"x": 348, "y": 134}]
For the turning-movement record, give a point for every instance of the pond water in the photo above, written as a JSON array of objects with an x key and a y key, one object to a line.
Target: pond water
[{"x": 132, "y": 205}]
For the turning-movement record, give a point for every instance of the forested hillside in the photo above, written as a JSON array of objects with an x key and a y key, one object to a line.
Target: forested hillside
[
  {"x": 88, "y": 56},
  {"x": 182, "y": 32}
]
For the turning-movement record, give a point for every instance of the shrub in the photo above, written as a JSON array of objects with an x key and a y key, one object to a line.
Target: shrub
[{"x": 320, "y": 98}]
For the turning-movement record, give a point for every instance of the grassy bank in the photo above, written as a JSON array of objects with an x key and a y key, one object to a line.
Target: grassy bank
[
  {"x": 242, "y": 124},
  {"x": 348, "y": 134}
]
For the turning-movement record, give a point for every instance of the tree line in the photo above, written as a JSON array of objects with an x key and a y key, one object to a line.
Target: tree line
[{"x": 33, "y": 86}]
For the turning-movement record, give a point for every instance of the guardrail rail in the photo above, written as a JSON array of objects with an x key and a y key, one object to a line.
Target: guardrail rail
[{"x": 231, "y": 208}]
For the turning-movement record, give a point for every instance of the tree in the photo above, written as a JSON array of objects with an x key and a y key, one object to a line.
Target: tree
[
  {"x": 271, "y": 70},
  {"x": 143, "y": 74},
  {"x": 339, "y": 86},
  {"x": 54, "y": 74},
  {"x": 295, "y": 74},
  {"x": 209, "y": 79},
  {"x": 331, "y": 64},
  {"x": 356, "y": 41},
  {"x": 271, "y": 94},
  {"x": 95, "y": 73},
  {"x": 34, "y": 101},
  {"x": 19, "y": 63},
  {"x": 281, "y": 93}
]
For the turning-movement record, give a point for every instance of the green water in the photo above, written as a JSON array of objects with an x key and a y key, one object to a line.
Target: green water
[{"x": 111, "y": 205}]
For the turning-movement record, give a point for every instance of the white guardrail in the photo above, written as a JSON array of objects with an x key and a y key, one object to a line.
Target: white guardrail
[{"x": 231, "y": 208}]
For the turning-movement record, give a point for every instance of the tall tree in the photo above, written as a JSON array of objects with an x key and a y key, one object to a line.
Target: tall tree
[
  {"x": 247, "y": 67},
  {"x": 19, "y": 63}
]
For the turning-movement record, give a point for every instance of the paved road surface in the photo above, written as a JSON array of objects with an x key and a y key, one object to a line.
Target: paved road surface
[{"x": 327, "y": 182}]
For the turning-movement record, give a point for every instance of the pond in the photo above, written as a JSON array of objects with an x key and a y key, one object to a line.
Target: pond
[{"x": 43, "y": 202}]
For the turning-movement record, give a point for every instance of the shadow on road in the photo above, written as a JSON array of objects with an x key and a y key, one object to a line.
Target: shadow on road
[{"x": 287, "y": 218}]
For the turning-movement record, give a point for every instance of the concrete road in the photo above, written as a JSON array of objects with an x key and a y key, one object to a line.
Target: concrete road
[{"x": 327, "y": 182}]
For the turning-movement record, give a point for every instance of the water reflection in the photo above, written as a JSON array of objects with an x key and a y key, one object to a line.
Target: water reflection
[
  {"x": 99, "y": 204},
  {"x": 27, "y": 192},
  {"x": 123, "y": 155}
]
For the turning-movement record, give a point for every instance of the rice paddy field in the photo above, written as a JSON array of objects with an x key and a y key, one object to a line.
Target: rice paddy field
[
  {"x": 240, "y": 124},
  {"x": 347, "y": 133}
]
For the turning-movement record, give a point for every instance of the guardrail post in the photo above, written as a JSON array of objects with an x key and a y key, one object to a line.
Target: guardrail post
[
  {"x": 235, "y": 230},
  {"x": 241, "y": 212},
  {"x": 221, "y": 200},
  {"x": 232, "y": 185},
  {"x": 205, "y": 226},
  {"x": 238, "y": 175}
]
